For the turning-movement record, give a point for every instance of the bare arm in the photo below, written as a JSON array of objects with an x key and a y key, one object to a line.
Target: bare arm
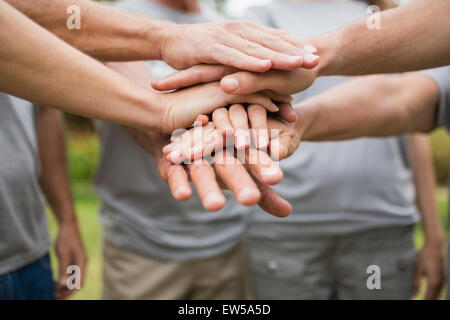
[
  {"x": 111, "y": 35},
  {"x": 41, "y": 68},
  {"x": 56, "y": 187},
  {"x": 67, "y": 79},
  {"x": 431, "y": 258},
  {"x": 106, "y": 33},
  {"x": 412, "y": 37},
  {"x": 370, "y": 106}
]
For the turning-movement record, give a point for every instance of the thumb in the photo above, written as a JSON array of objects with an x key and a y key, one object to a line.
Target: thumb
[{"x": 244, "y": 83}]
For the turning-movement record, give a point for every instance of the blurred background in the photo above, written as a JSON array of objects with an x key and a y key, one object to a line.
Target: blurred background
[{"x": 83, "y": 152}]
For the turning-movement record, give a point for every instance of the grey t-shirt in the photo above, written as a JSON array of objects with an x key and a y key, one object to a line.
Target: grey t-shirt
[
  {"x": 23, "y": 226},
  {"x": 335, "y": 187},
  {"x": 441, "y": 76},
  {"x": 138, "y": 212}
]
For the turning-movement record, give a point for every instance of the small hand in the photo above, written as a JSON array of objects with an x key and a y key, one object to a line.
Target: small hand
[
  {"x": 281, "y": 138},
  {"x": 70, "y": 251},
  {"x": 227, "y": 173}
]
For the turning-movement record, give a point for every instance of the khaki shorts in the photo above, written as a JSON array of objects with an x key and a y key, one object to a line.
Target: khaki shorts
[
  {"x": 127, "y": 275},
  {"x": 330, "y": 267}
]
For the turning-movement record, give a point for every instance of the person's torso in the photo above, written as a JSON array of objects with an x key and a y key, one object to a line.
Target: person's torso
[
  {"x": 336, "y": 186},
  {"x": 138, "y": 211},
  {"x": 23, "y": 227}
]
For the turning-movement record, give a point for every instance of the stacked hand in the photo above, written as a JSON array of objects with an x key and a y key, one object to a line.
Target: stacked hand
[
  {"x": 238, "y": 82},
  {"x": 240, "y": 44},
  {"x": 237, "y": 153},
  {"x": 226, "y": 172},
  {"x": 223, "y": 152}
]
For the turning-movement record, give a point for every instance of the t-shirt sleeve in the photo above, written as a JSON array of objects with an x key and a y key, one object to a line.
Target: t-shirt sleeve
[{"x": 441, "y": 76}]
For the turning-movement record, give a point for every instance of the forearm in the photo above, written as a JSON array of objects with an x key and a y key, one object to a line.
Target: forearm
[
  {"x": 106, "y": 33},
  {"x": 43, "y": 69},
  {"x": 421, "y": 159},
  {"x": 52, "y": 150},
  {"x": 412, "y": 37},
  {"x": 370, "y": 106}
]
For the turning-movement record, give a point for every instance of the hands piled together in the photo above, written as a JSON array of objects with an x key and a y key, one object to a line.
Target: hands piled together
[{"x": 244, "y": 124}]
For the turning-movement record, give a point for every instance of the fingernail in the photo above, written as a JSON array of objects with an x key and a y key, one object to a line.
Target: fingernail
[
  {"x": 230, "y": 84},
  {"x": 167, "y": 149},
  {"x": 264, "y": 63},
  {"x": 241, "y": 142},
  {"x": 213, "y": 201},
  {"x": 275, "y": 107},
  {"x": 175, "y": 157},
  {"x": 248, "y": 196},
  {"x": 295, "y": 59},
  {"x": 309, "y": 57},
  {"x": 269, "y": 171},
  {"x": 182, "y": 192},
  {"x": 227, "y": 129},
  {"x": 309, "y": 48},
  {"x": 262, "y": 141}
]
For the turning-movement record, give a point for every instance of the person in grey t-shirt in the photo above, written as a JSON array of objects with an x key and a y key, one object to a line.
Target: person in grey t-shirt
[
  {"x": 31, "y": 150},
  {"x": 413, "y": 102},
  {"x": 353, "y": 202},
  {"x": 161, "y": 238}
]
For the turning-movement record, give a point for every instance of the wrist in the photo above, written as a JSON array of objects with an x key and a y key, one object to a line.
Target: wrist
[
  {"x": 305, "y": 119},
  {"x": 152, "y": 106},
  {"x": 67, "y": 218},
  {"x": 329, "y": 47},
  {"x": 157, "y": 34},
  {"x": 435, "y": 239}
]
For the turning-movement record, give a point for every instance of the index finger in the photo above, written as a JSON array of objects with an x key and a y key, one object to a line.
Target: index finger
[{"x": 194, "y": 75}]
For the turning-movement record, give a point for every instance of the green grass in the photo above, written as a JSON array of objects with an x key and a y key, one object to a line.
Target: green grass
[{"x": 87, "y": 208}]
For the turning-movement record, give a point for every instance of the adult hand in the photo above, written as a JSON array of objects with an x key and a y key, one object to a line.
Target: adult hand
[
  {"x": 279, "y": 137},
  {"x": 240, "y": 82},
  {"x": 70, "y": 251},
  {"x": 226, "y": 173},
  {"x": 179, "y": 109},
  {"x": 240, "y": 44},
  {"x": 182, "y": 107},
  {"x": 431, "y": 266}
]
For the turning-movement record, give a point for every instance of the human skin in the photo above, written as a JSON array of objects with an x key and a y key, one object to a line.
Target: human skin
[
  {"x": 356, "y": 108},
  {"x": 209, "y": 179},
  {"x": 407, "y": 103},
  {"x": 55, "y": 185},
  {"x": 227, "y": 172},
  {"x": 111, "y": 35},
  {"x": 31, "y": 71},
  {"x": 338, "y": 114},
  {"x": 431, "y": 257},
  {"x": 412, "y": 37}
]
